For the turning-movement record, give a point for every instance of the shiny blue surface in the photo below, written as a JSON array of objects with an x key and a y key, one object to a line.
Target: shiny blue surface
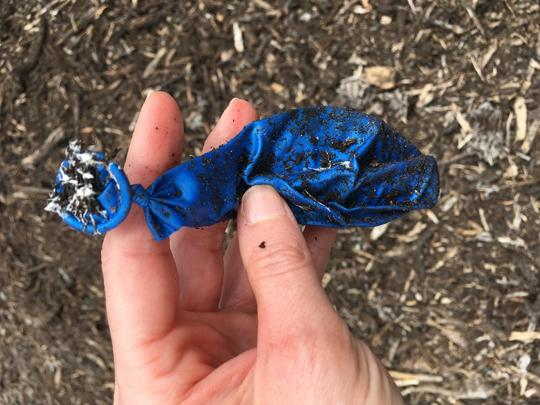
[
  {"x": 115, "y": 199},
  {"x": 335, "y": 167}
]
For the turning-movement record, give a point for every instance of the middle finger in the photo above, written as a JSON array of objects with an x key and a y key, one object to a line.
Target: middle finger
[{"x": 198, "y": 253}]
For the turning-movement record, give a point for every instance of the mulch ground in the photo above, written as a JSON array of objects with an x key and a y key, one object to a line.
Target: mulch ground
[{"x": 448, "y": 298}]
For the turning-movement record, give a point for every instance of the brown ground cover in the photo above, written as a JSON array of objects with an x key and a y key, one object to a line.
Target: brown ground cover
[{"x": 448, "y": 298}]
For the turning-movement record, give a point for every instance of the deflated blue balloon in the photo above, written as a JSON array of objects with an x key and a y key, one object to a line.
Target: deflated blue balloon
[{"x": 335, "y": 167}]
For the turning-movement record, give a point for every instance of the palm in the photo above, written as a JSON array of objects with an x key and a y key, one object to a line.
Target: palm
[{"x": 203, "y": 353}]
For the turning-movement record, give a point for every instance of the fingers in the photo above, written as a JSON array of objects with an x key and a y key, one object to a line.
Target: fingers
[
  {"x": 141, "y": 282},
  {"x": 237, "y": 293},
  {"x": 198, "y": 252},
  {"x": 290, "y": 299}
]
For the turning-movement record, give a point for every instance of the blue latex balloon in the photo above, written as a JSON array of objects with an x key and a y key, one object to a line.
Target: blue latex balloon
[{"x": 335, "y": 167}]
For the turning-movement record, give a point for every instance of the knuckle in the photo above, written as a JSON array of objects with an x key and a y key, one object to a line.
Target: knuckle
[{"x": 279, "y": 258}]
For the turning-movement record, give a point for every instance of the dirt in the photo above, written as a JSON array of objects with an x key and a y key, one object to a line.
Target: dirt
[{"x": 441, "y": 295}]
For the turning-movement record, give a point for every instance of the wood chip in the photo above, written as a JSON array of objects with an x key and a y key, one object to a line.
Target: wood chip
[
  {"x": 365, "y": 8},
  {"x": 486, "y": 57},
  {"x": 413, "y": 378},
  {"x": 520, "y": 109},
  {"x": 154, "y": 63},
  {"x": 412, "y": 235},
  {"x": 383, "y": 77},
  {"x": 507, "y": 241},
  {"x": 378, "y": 231},
  {"x": 534, "y": 129},
  {"x": 54, "y": 138},
  {"x": 237, "y": 37},
  {"x": 483, "y": 220},
  {"x": 432, "y": 217},
  {"x": 277, "y": 88},
  {"x": 526, "y": 337},
  {"x": 453, "y": 335}
]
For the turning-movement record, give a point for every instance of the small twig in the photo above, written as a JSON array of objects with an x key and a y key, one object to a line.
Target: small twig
[
  {"x": 34, "y": 52},
  {"x": 412, "y": 6},
  {"x": 474, "y": 18},
  {"x": 88, "y": 18},
  {"x": 479, "y": 393},
  {"x": 145, "y": 22},
  {"x": 525, "y": 183},
  {"x": 154, "y": 63},
  {"x": 454, "y": 158},
  {"x": 76, "y": 112},
  {"x": 54, "y": 138}
]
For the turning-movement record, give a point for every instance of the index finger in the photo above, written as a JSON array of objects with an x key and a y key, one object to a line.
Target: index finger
[{"x": 140, "y": 277}]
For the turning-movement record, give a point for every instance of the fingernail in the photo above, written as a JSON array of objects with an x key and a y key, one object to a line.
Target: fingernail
[
  {"x": 226, "y": 110},
  {"x": 233, "y": 100},
  {"x": 149, "y": 93},
  {"x": 261, "y": 203}
]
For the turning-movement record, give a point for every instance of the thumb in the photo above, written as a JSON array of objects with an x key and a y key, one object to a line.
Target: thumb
[{"x": 290, "y": 298}]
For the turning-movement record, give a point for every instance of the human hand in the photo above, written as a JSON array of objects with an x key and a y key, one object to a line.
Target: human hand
[{"x": 191, "y": 325}]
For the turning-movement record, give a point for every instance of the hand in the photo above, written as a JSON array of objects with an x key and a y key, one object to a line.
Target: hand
[{"x": 189, "y": 325}]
